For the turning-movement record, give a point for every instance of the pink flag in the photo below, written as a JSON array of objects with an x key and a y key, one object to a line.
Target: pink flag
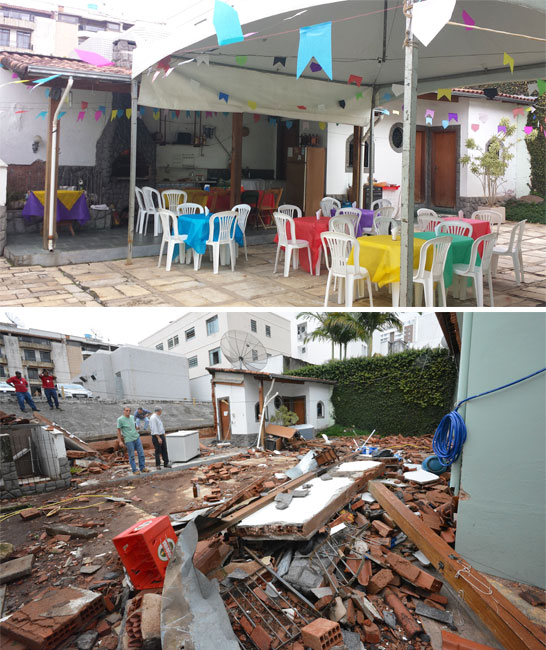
[
  {"x": 528, "y": 129},
  {"x": 517, "y": 111},
  {"x": 81, "y": 116},
  {"x": 84, "y": 105},
  {"x": 98, "y": 115},
  {"x": 474, "y": 127},
  {"x": 468, "y": 21},
  {"x": 93, "y": 58}
]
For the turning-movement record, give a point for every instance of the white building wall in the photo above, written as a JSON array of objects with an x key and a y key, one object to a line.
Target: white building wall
[
  {"x": 337, "y": 179},
  {"x": 175, "y": 161},
  {"x": 59, "y": 357},
  {"x": 17, "y": 130}
]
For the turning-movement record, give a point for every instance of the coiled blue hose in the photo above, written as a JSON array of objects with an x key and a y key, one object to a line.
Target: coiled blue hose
[{"x": 450, "y": 435}]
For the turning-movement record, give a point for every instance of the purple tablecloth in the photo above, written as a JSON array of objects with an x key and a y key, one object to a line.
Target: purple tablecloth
[
  {"x": 78, "y": 212},
  {"x": 366, "y": 221}
]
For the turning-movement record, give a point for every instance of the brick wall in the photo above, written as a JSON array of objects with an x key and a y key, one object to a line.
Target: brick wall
[{"x": 22, "y": 178}]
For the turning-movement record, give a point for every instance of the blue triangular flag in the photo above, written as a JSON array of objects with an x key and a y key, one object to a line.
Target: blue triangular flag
[
  {"x": 223, "y": 96},
  {"x": 61, "y": 114},
  {"x": 288, "y": 124},
  {"x": 226, "y": 23},
  {"x": 315, "y": 41}
]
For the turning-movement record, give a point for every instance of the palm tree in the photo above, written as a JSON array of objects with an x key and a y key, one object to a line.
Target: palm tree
[
  {"x": 361, "y": 325},
  {"x": 332, "y": 328}
]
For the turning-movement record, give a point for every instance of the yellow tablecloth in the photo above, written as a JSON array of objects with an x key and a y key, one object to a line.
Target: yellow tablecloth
[
  {"x": 67, "y": 197},
  {"x": 381, "y": 256}
]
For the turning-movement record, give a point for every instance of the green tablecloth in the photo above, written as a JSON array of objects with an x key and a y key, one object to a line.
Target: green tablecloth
[{"x": 458, "y": 253}]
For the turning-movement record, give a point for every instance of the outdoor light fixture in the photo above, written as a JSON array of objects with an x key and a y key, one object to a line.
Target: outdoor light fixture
[
  {"x": 84, "y": 379},
  {"x": 36, "y": 142}
]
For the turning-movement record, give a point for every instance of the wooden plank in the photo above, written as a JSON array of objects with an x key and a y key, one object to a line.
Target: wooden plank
[
  {"x": 280, "y": 431},
  {"x": 503, "y": 619},
  {"x": 236, "y": 158}
]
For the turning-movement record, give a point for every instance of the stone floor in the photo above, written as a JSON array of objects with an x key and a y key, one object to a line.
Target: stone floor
[{"x": 114, "y": 283}]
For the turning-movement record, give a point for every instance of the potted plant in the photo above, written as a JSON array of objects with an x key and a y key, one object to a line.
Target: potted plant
[
  {"x": 284, "y": 417},
  {"x": 490, "y": 163}
]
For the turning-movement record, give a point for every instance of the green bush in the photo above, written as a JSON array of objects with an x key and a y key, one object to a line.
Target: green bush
[
  {"x": 520, "y": 210},
  {"x": 406, "y": 393}
]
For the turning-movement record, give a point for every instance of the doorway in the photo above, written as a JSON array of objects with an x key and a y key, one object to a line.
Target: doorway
[
  {"x": 436, "y": 161},
  {"x": 286, "y": 138},
  {"x": 297, "y": 406},
  {"x": 224, "y": 418}
]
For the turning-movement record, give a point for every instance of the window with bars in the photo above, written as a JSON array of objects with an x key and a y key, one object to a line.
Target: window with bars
[
  {"x": 172, "y": 342},
  {"x": 45, "y": 355},
  {"x": 29, "y": 355},
  {"x": 33, "y": 373},
  {"x": 253, "y": 325},
  {"x": 212, "y": 325},
  {"x": 190, "y": 334},
  {"x": 4, "y": 37},
  {"x": 215, "y": 356},
  {"x": 192, "y": 362},
  {"x": 159, "y": 346},
  {"x": 268, "y": 331}
]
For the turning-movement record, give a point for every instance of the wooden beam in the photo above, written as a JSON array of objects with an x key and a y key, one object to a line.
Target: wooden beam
[
  {"x": 236, "y": 157},
  {"x": 357, "y": 164},
  {"x": 214, "y": 409},
  {"x": 504, "y": 620}
]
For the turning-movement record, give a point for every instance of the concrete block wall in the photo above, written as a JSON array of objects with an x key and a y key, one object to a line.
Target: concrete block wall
[{"x": 92, "y": 419}]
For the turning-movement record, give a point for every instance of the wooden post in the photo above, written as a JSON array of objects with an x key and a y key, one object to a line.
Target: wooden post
[
  {"x": 214, "y": 406},
  {"x": 132, "y": 171},
  {"x": 236, "y": 157},
  {"x": 357, "y": 165},
  {"x": 51, "y": 158},
  {"x": 408, "y": 165}
]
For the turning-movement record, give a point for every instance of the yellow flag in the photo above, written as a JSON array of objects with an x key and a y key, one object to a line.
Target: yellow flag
[
  {"x": 443, "y": 92},
  {"x": 508, "y": 60},
  {"x": 156, "y": 115},
  {"x": 114, "y": 115},
  {"x": 322, "y": 125},
  {"x": 252, "y": 104},
  {"x": 128, "y": 112}
]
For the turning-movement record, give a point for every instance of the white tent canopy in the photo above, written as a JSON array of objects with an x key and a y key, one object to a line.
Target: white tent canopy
[{"x": 367, "y": 41}]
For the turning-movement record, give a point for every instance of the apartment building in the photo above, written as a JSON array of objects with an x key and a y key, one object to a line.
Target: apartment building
[
  {"x": 30, "y": 351},
  {"x": 53, "y": 33},
  {"x": 197, "y": 336},
  {"x": 418, "y": 331}
]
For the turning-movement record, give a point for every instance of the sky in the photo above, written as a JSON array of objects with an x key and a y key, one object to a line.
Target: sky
[{"x": 127, "y": 325}]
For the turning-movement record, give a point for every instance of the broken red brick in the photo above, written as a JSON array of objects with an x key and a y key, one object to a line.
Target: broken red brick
[
  {"x": 325, "y": 600},
  {"x": 246, "y": 625},
  {"x": 103, "y": 627},
  {"x": 404, "y": 617},
  {"x": 29, "y": 513},
  {"x": 371, "y": 632},
  {"x": 321, "y": 634},
  {"x": 379, "y": 581},
  {"x": 261, "y": 638},
  {"x": 382, "y": 528}
]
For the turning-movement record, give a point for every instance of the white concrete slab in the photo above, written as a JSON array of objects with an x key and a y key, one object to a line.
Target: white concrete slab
[
  {"x": 420, "y": 476},
  {"x": 358, "y": 466}
]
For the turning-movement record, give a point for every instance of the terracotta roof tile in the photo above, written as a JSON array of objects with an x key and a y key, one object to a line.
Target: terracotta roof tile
[
  {"x": 20, "y": 63},
  {"x": 475, "y": 91}
]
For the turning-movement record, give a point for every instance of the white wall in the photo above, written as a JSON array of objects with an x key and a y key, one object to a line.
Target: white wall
[
  {"x": 177, "y": 161},
  {"x": 388, "y": 163},
  {"x": 17, "y": 130}
]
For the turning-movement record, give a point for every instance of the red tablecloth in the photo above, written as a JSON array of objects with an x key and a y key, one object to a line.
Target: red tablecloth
[
  {"x": 309, "y": 228},
  {"x": 479, "y": 228}
]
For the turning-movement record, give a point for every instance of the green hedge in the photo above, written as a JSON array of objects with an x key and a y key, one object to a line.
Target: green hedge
[
  {"x": 520, "y": 210},
  {"x": 406, "y": 393}
]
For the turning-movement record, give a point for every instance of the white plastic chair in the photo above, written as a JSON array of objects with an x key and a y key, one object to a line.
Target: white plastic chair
[
  {"x": 513, "y": 249},
  {"x": 242, "y": 210},
  {"x": 454, "y": 227},
  {"x": 436, "y": 274},
  {"x": 327, "y": 204},
  {"x": 353, "y": 213},
  {"x": 343, "y": 224},
  {"x": 189, "y": 208},
  {"x": 381, "y": 203},
  {"x": 291, "y": 210},
  {"x": 337, "y": 248},
  {"x": 427, "y": 212},
  {"x": 381, "y": 225},
  {"x": 142, "y": 216},
  {"x": 171, "y": 198},
  {"x": 427, "y": 220},
  {"x": 492, "y": 216},
  {"x": 472, "y": 270},
  {"x": 227, "y": 222},
  {"x": 289, "y": 243},
  {"x": 171, "y": 237},
  {"x": 153, "y": 203}
]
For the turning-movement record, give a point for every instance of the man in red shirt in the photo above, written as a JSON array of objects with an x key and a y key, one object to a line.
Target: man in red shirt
[
  {"x": 21, "y": 391},
  {"x": 48, "y": 386}
]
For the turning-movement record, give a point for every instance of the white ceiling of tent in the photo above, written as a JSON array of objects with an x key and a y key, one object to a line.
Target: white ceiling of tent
[{"x": 456, "y": 57}]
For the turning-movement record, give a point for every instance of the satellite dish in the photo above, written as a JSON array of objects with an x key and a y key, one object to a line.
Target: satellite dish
[
  {"x": 15, "y": 319},
  {"x": 243, "y": 350}
]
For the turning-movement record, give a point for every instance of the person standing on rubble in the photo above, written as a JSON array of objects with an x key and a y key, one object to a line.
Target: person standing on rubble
[
  {"x": 48, "y": 386},
  {"x": 142, "y": 421},
  {"x": 21, "y": 391},
  {"x": 129, "y": 436},
  {"x": 158, "y": 438}
]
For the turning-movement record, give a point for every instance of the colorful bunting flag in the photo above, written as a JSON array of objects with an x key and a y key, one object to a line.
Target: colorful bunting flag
[
  {"x": 202, "y": 58},
  {"x": 226, "y": 23},
  {"x": 354, "y": 79},
  {"x": 252, "y": 104},
  {"x": 98, "y": 115},
  {"x": 444, "y": 92},
  {"x": 156, "y": 75},
  {"x": 177, "y": 114},
  {"x": 445, "y": 123},
  {"x": 429, "y": 18},
  {"x": 256, "y": 117},
  {"x": 93, "y": 58},
  {"x": 508, "y": 60},
  {"x": 208, "y": 114},
  {"x": 61, "y": 114},
  {"x": 483, "y": 117},
  {"x": 395, "y": 111},
  {"x": 397, "y": 89},
  {"x": 302, "y": 107},
  {"x": 528, "y": 129},
  {"x": 315, "y": 67},
  {"x": 517, "y": 111},
  {"x": 429, "y": 112},
  {"x": 428, "y": 121},
  {"x": 474, "y": 127},
  {"x": 41, "y": 114},
  {"x": 468, "y": 21},
  {"x": 223, "y": 96},
  {"x": 322, "y": 125},
  {"x": 164, "y": 64},
  {"x": 241, "y": 59},
  {"x": 156, "y": 113},
  {"x": 128, "y": 113},
  {"x": 452, "y": 116},
  {"x": 84, "y": 105},
  {"x": 341, "y": 103},
  {"x": 279, "y": 60},
  {"x": 81, "y": 116},
  {"x": 39, "y": 82},
  {"x": 120, "y": 112},
  {"x": 315, "y": 42},
  {"x": 501, "y": 128},
  {"x": 359, "y": 95},
  {"x": 288, "y": 124},
  {"x": 541, "y": 83}
]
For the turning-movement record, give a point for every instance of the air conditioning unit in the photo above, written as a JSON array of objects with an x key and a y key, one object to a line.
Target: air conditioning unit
[{"x": 182, "y": 445}]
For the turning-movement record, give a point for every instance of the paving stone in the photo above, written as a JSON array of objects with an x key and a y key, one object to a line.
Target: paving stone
[{"x": 16, "y": 569}]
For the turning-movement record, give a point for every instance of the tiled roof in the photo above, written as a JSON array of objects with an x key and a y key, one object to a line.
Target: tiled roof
[
  {"x": 24, "y": 63},
  {"x": 269, "y": 375},
  {"x": 476, "y": 92}
]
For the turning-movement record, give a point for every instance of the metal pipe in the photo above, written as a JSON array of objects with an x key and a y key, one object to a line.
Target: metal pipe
[
  {"x": 462, "y": 390},
  {"x": 54, "y": 164},
  {"x": 268, "y": 399},
  {"x": 132, "y": 170},
  {"x": 371, "y": 153}
]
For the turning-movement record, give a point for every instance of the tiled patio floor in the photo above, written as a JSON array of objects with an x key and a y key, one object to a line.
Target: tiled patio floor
[{"x": 251, "y": 285}]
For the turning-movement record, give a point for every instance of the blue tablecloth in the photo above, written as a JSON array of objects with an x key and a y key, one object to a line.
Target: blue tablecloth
[{"x": 196, "y": 226}]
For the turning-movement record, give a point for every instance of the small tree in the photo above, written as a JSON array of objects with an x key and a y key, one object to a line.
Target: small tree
[
  {"x": 490, "y": 164},
  {"x": 285, "y": 417}
]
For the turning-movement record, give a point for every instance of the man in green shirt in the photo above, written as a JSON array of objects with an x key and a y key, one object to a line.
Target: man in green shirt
[{"x": 129, "y": 436}]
